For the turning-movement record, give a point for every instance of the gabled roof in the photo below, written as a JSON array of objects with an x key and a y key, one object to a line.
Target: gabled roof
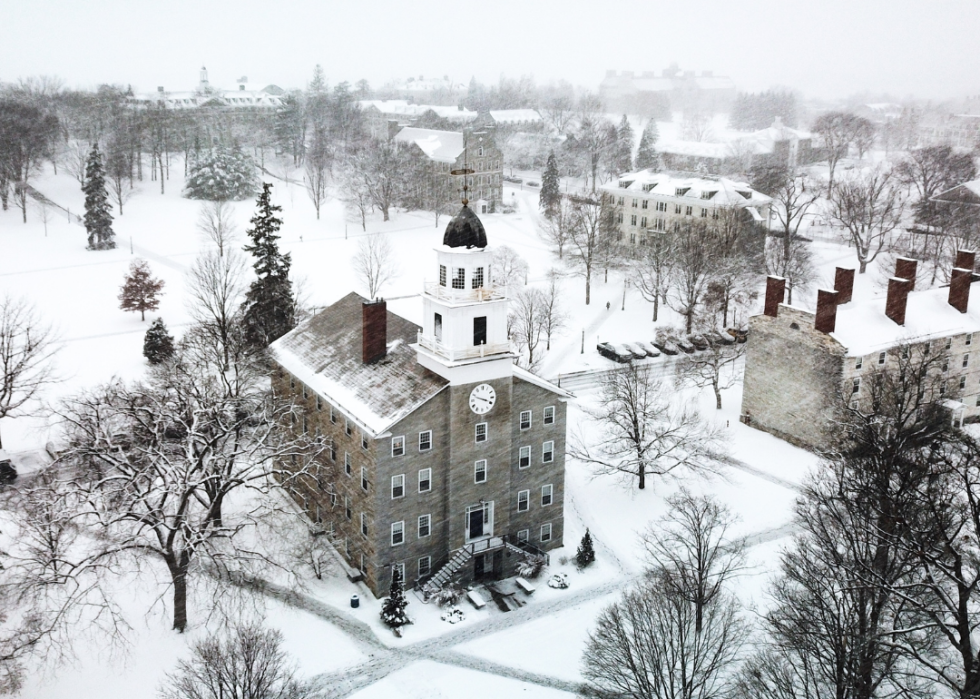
[
  {"x": 325, "y": 353},
  {"x": 515, "y": 116},
  {"x": 441, "y": 146},
  {"x": 966, "y": 193},
  {"x": 720, "y": 191}
]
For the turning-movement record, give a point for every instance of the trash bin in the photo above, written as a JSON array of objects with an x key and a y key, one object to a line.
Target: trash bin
[{"x": 355, "y": 601}]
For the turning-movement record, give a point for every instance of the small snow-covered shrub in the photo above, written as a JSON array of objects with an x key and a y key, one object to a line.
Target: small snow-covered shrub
[
  {"x": 563, "y": 560},
  {"x": 531, "y": 566},
  {"x": 449, "y": 595}
]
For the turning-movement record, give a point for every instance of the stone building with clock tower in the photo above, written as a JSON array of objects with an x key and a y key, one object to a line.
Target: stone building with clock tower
[{"x": 445, "y": 459}]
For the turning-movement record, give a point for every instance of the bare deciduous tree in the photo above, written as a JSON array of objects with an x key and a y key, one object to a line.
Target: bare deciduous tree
[
  {"x": 509, "y": 268},
  {"x": 641, "y": 432},
  {"x": 355, "y": 189},
  {"x": 790, "y": 258},
  {"x": 525, "y": 324},
  {"x": 216, "y": 223},
  {"x": 553, "y": 317},
  {"x": 318, "y": 159},
  {"x": 869, "y": 208},
  {"x": 215, "y": 288},
  {"x": 716, "y": 366},
  {"x": 375, "y": 263},
  {"x": 652, "y": 268},
  {"x": 592, "y": 224},
  {"x": 557, "y": 227},
  {"x": 696, "y": 264}
]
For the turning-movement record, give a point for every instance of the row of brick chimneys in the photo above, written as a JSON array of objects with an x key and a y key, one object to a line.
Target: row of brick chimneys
[{"x": 896, "y": 301}]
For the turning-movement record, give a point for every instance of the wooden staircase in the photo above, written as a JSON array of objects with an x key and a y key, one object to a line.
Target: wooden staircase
[{"x": 444, "y": 574}]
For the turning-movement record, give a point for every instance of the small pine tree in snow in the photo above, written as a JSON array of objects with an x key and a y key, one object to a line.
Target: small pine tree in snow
[
  {"x": 98, "y": 216},
  {"x": 140, "y": 291},
  {"x": 646, "y": 156},
  {"x": 585, "y": 555},
  {"x": 623, "y": 155},
  {"x": 269, "y": 308},
  {"x": 550, "y": 197},
  {"x": 393, "y": 610},
  {"x": 223, "y": 174},
  {"x": 158, "y": 344}
]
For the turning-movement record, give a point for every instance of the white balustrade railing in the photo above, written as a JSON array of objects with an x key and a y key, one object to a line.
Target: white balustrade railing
[
  {"x": 446, "y": 293},
  {"x": 436, "y": 347}
]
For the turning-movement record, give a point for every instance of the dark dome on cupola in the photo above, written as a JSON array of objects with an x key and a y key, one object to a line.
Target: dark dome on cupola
[{"x": 465, "y": 231}]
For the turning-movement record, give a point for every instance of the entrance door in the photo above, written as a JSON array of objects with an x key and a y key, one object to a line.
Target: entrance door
[
  {"x": 475, "y": 524},
  {"x": 479, "y": 521}
]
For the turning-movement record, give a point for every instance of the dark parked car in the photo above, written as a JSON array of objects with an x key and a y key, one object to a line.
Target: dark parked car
[
  {"x": 685, "y": 346},
  {"x": 666, "y": 346},
  {"x": 716, "y": 338},
  {"x": 700, "y": 344},
  {"x": 8, "y": 474},
  {"x": 614, "y": 352},
  {"x": 739, "y": 335},
  {"x": 650, "y": 348}
]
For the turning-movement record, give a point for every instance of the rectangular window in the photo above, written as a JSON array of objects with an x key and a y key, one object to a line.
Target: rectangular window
[
  {"x": 969, "y": 339},
  {"x": 480, "y": 471},
  {"x": 525, "y": 419},
  {"x": 347, "y": 510},
  {"x": 643, "y": 222},
  {"x": 437, "y": 326},
  {"x": 425, "y": 480},
  {"x": 881, "y": 358},
  {"x": 619, "y": 218},
  {"x": 620, "y": 201},
  {"x": 477, "y": 278},
  {"x": 425, "y": 566},
  {"x": 546, "y": 532},
  {"x": 547, "y": 452},
  {"x": 688, "y": 210},
  {"x": 949, "y": 342},
  {"x": 549, "y": 415},
  {"x": 523, "y": 536},
  {"x": 333, "y": 416},
  {"x": 398, "y": 486},
  {"x": 855, "y": 386},
  {"x": 481, "y": 432},
  {"x": 634, "y": 203},
  {"x": 305, "y": 428},
  {"x": 347, "y": 463},
  {"x": 364, "y": 441},
  {"x": 425, "y": 525},
  {"x": 704, "y": 212},
  {"x": 859, "y": 362},
  {"x": 966, "y": 361},
  {"x": 523, "y": 500},
  {"x": 292, "y": 381},
  {"x": 633, "y": 220},
  {"x": 645, "y": 203},
  {"x": 333, "y": 451},
  {"x": 525, "y": 458},
  {"x": 962, "y": 382},
  {"x": 397, "y": 533},
  {"x": 364, "y": 480},
  {"x": 364, "y": 528},
  {"x": 547, "y": 492},
  {"x": 319, "y": 405},
  {"x": 397, "y": 446},
  {"x": 677, "y": 208},
  {"x": 347, "y": 428},
  {"x": 459, "y": 278},
  {"x": 400, "y": 567},
  {"x": 662, "y": 206},
  {"x": 305, "y": 395},
  {"x": 425, "y": 440},
  {"x": 479, "y": 331},
  {"x": 442, "y": 275}
]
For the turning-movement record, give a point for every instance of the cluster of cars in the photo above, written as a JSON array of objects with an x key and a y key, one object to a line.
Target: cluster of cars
[{"x": 668, "y": 344}]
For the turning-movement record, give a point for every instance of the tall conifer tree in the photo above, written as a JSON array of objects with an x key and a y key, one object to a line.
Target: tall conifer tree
[
  {"x": 269, "y": 307},
  {"x": 623, "y": 158},
  {"x": 393, "y": 610},
  {"x": 646, "y": 156},
  {"x": 550, "y": 197},
  {"x": 98, "y": 216}
]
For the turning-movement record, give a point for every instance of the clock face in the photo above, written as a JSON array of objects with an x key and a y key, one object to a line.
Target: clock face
[{"x": 482, "y": 398}]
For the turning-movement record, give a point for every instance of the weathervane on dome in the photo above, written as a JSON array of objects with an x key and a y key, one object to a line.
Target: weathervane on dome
[{"x": 464, "y": 171}]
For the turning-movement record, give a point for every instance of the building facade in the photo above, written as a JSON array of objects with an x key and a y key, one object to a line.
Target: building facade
[
  {"x": 801, "y": 367},
  {"x": 656, "y": 95},
  {"x": 648, "y": 202},
  {"x": 445, "y": 460}
]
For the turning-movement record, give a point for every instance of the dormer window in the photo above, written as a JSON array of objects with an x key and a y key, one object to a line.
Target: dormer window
[
  {"x": 746, "y": 195},
  {"x": 680, "y": 191},
  {"x": 459, "y": 278},
  {"x": 708, "y": 195}
]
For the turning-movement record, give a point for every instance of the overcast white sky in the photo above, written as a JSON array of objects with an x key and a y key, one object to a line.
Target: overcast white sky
[{"x": 826, "y": 48}]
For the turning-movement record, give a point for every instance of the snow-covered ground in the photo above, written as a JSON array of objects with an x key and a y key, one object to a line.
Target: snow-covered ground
[{"x": 490, "y": 653}]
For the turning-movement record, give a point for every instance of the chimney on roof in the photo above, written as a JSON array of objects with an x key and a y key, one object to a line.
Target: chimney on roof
[
  {"x": 160, "y": 88},
  {"x": 374, "y": 331},
  {"x": 844, "y": 284},
  {"x": 826, "y": 311},
  {"x": 905, "y": 268},
  {"x": 775, "y": 292},
  {"x": 959, "y": 288},
  {"x": 965, "y": 259},
  {"x": 898, "y": 295}
]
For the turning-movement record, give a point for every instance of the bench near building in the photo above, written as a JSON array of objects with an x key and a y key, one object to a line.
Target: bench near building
[
  {"x": 799, "y": 365},
  {"x": 447, "y": 460}
]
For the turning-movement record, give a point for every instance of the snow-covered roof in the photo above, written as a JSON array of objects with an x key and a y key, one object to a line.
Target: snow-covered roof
[
  {"x": 526, "y": 375},
  {"x": 720, "y": 191},
  {"x": 714, "y": 82},
  {"x": 863, "y": 328},
  {"x": 441, "y": 146},
  {"x": 966, "y": 193},
  {"x": 409, "y": 109},
  {"x": 653, "y": 84},
  {"x": 191, "y": 99},
  {"x": 515, "y": 116},
  {"x": 325, "y": 354}
]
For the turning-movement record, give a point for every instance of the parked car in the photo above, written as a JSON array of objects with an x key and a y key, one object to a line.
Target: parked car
[
  {"x": 513, "y": 180},
  {"x": 532, "y": 183},
  {"x": 666, "y": 346},
  {"x": 700, "y": 344},
  {"x": 635, "y": 349},
  {"x": 617, "y": 353},
  {"x": 685, "y": 346},
  {"x": 8, "y": 473},
  {"x": 650, "y": 348},
  {"x": 739, "y": 335},
  {"x": 716, "y": 338}
]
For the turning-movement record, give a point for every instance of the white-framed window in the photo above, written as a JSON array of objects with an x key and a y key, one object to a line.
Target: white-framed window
[
  {"x": 397, "y": 533},
  {"x": 547, "y": 452},
  {"x": 347, "y": 509},
  {"x": 946, "y": 364},
  {"x": 348, "y": 465},
  {"x": 364, "y": 479},
  {"x": 397, "y": 446},
  {"x": 459, "y": 278},
  {"x": 546, "y": 532},
  {"x": 966, "y": 361},
  {"x": 400, "y": 567},
  {"x": 477, "y": 281},
  {"x": 480, "y": 471},
  {"x": 547, "y": 495},
  {"x": 969, "y": 339},
  {"x": 523, "y": 536},
  {"x": 859, "y": 362},
  {"x": 645, "y": 203},
  {"x": 619, "y": 217},
  {"x": 643, "y": 222},
  {"x": 881, "y": 358},
  {"x": 425, "y": 440},
  {"x": 333, "y": 415},
  {"x": 319, "y": 404},
  {"x": 425, "y": 525},
  {"x": 525, "y": 419},
  {"x": 305, "y": 428},
  {"x": 305, "y": 394},
  {"x": 633, "y": 220},
  {"x": 704, "y": 212},
  {"x": 481, "y": 432},
  {"x": 364, "y": 528},
  {"x": 549, "y": 415},
  {"x": 364, "y": 441},
  {"x": 523, "y": 500},
  {"x": 525, "y": 457},
  {"x": 677, "y": 208},
  {"x": 662, "y": 206},
  {"x": 949, "y": 342},
  {"x": 348, "y": 430},
  {"x": 442, "y": 275},
  {"x": 905, "y": 351},
  {"x": 688, "y": 210},
  {"x": 634, "y": 203},
  {"x": 425, "y": 480},
  {"x": 425, "y": 566},
  {"x": 855, "y": 386},
  {"x": 333, "y": 451},
  {"x": 398, "y": 486},
  {"x": 962, "y": 382}
]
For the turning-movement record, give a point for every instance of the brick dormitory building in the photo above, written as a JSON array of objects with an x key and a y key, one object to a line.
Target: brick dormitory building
[
  {"x": 448, "y": 460},
  {"x": 800, "y": 366}
]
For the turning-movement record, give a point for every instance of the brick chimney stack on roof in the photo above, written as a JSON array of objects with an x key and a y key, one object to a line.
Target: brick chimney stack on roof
[
  {"x": 844, "y": 284},
  {"x": 826, "y": 311},
  {"x": 898, "y": 295},
  {"x": 374, "y": 331},
  {"x": 775, "y": 293},
  {"x": 965, "y": 259},
  {"x": 905, "y": 268},
  {"x": 959, "y": 288}
]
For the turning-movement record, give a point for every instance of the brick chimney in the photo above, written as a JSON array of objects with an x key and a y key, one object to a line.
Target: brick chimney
[
  {"x": 374, "y": 331},
  {"x": 775, "y": 293},
  {"x": 905, "y": 268},
  {"x": 965, "y": 259},
  {"x": 844, "y": 284},
  {"x": 959, "y": 287},
  {"x": 826, "y": 311},
  {"x": 898, "y": 295}
]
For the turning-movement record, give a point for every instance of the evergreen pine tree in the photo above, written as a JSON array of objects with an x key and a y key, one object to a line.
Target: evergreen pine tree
[
  {"x": 623, "y": 157},
  {"x": 223, "y": 174},
  {"x": 269, "y": 311},
  {"x": 98, "y": 219},
  {"x": 393, "y": 610},
  {"x": 585, "y": 555},
  {"x": 646, "y": 156},
  {"x": 158, "y": 344},
  {"x": 140, "y": 290},
  {"x": 550, "y": 197}
]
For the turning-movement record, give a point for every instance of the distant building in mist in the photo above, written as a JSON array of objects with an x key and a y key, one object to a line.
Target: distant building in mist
[
  {"x": 653, "y": 95},
  {"x": 205, "y": 95}
]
